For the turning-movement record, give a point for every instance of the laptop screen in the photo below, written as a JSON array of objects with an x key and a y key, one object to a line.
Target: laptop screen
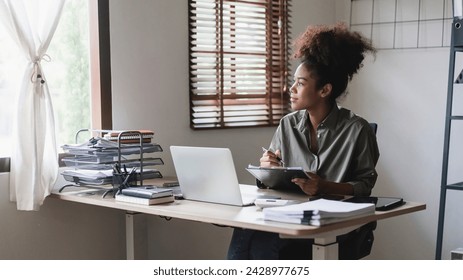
[{"x": 207, "y": 174}]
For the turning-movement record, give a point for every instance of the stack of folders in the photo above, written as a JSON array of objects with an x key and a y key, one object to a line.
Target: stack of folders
[
  {"x": 130, "y": 137},
  {"x": 146, "y": 195},
  {"x": 318, "y": 212}
]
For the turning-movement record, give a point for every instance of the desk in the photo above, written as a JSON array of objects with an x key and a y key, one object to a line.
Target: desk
[{"x": 250, "y": 217}]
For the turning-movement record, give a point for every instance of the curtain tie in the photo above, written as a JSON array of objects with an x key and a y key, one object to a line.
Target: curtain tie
[{"x": 37, "y": 72}]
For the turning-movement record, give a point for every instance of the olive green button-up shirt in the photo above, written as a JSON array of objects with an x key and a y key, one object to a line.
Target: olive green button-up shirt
[{"x": 347, "y": 148}]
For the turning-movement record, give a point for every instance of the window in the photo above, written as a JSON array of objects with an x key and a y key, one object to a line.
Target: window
[
  {"x": 78, "y": 74},
  {"x": 81, "y": 47},
  {"x": 66, "y": 67},
  {"x": 10, "y": 75},
  {"x": 68, "y": 72},
  {"x": 238, "y": 62}
]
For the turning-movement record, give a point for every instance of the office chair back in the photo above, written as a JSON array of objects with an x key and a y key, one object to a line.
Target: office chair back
[{"x": 374, "y": 126}]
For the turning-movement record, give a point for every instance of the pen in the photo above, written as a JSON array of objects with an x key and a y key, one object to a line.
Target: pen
[
  {"x": 115, "y": 170},
  {"x": 128, "y": 176},
  {"x": 277, "y": 157}
]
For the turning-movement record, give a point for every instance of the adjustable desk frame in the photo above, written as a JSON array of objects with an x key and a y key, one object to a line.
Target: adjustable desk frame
[{"x": 325, "y": 246}]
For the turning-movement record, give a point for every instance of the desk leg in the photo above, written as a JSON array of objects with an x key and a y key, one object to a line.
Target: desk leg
[
  {"x": 325, "y": 249},
  {"x": 325, "y": 246},
  {"x": 129, "y": 236},
  {"x": 135, "y": 236}
]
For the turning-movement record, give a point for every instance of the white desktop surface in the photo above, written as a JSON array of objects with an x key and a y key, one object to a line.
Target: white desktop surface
[{"x": 250, "y": 217}]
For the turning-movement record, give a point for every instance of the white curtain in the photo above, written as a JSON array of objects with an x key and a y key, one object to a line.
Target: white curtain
[{"x": 34, "y": 161}]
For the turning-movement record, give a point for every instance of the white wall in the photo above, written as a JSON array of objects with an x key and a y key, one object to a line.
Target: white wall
[
  {"x": 60, "y": 230},
  {"x": 409, "y": 110},
  {"x": 405, "y": 92}
]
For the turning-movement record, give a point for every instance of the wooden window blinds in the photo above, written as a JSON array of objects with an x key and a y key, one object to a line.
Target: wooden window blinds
[{"x": 238, "y": 62}]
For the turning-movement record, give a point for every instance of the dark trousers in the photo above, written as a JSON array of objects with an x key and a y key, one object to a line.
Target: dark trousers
[{"x": 258, "y": 245}]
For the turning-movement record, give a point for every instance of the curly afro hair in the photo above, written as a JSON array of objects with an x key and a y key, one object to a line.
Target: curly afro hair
[{"x": 333, "y": 54}]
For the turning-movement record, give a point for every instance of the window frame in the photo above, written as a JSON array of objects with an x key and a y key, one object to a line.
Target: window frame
[
  {"x": 100, "y": 57},
  {"x": 230, "y": 108}
]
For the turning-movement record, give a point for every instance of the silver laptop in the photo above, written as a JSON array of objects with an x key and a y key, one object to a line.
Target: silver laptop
[{"x": 208, "y": 174}]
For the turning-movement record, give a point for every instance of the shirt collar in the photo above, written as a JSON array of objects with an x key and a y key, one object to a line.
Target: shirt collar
[
  {"x": 329, "y": 122},
  {"x": 332, "y": 119}
]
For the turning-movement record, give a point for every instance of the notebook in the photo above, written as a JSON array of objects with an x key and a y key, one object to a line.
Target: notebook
[{"x": 208, "y": 174}]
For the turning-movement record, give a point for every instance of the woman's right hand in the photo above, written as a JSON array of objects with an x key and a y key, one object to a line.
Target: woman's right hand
[{"x": 270, "y": 159}]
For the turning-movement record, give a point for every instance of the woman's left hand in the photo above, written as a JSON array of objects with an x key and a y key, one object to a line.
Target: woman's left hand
[{"x": 309, "y": 186}]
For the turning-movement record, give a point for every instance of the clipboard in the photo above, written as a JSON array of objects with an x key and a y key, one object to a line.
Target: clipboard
[{"x": 278, "y": 178}]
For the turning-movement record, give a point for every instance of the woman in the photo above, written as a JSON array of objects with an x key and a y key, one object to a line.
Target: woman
[{"x": 336, "y": 147}]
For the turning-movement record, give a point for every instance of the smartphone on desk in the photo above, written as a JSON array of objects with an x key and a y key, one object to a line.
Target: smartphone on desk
[{"x": 381, "y": 203}]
